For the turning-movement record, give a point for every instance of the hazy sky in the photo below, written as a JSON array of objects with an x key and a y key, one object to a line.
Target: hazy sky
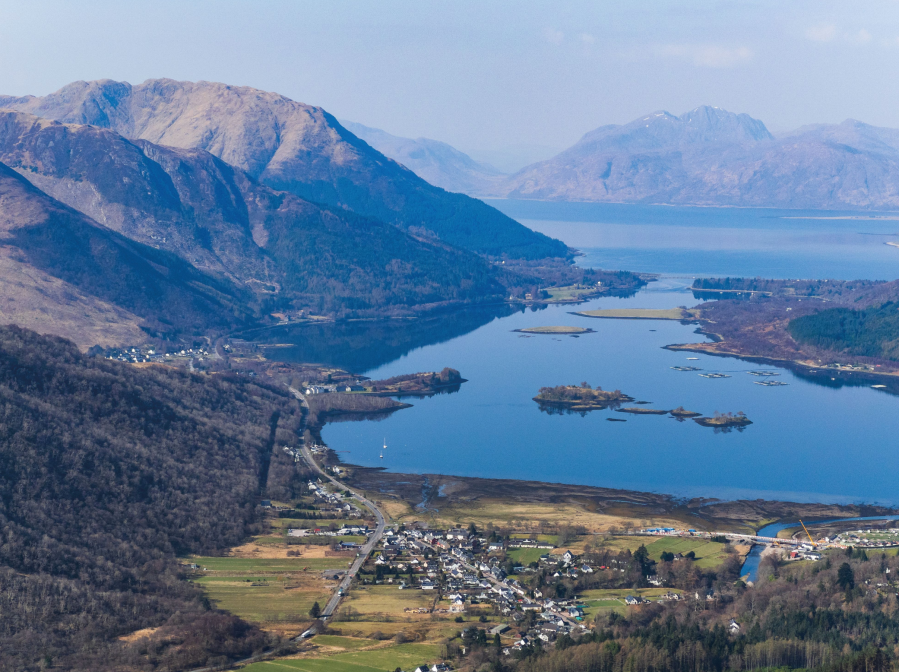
[{"x": 486, "y": 75}]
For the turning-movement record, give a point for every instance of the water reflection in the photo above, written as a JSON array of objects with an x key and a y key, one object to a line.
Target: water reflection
[{"x": 362, "y": 345}]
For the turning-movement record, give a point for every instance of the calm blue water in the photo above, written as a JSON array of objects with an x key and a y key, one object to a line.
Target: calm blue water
[
  {"x": 719, "y": 241},
  {"x": 814, "y": 440}
]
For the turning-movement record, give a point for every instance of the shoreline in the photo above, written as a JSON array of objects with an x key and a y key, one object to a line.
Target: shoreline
[
  {"x": 765, "y": 359},
  {"x": 449, "y": 492}
]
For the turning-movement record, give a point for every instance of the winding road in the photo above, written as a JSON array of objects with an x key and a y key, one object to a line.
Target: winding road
[
  {"x": 334, "y": 602},
  {"x": 331, "y": 607}
]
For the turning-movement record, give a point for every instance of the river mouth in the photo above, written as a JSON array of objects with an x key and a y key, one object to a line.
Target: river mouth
[{"x": 751, "y": 564}]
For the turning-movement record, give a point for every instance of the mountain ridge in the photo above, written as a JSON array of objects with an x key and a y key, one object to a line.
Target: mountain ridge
[
  {"x": 712, "y": 157},
  {"x": 289, "y": 146},
  {"x": 214, "y": 216}
]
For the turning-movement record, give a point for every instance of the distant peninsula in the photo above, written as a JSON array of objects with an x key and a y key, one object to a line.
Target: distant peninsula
[{"x": 639, "y": 314}]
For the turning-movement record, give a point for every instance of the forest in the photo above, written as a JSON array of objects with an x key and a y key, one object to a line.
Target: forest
[
  {"x": 109, "y": 473},
  {"x": 869, "y": 332}
]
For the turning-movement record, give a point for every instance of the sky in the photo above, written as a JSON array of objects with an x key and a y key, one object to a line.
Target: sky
[{"x": 507, "y": 82}]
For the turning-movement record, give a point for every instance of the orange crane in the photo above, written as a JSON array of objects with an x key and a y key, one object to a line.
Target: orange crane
[{"x": 807, "y": 533}]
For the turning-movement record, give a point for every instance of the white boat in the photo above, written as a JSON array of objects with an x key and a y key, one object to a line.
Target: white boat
[{"x": 689, "y": 358}]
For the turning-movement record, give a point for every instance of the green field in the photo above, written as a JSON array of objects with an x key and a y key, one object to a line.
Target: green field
[
  {"x": 404, "y": 656},
  {"x": 568, "y": 293},
  {"x": 544, "y": 538},
  {"x": 270, "y": 564},
  {"x": 266, "y": 590},
  {"x": 387, "y": 599},
  {"x": 606, "y": 600},
  {"x": 525, "y": 556},
  {"x": 708, "y": 553},
  {"x": 262, "y": 601}
]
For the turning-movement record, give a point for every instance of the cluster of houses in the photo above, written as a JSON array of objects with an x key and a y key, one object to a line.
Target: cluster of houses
[
  {"x": 325, "y": 389},
  {"x": 465, "y": 570},
  {"x": 138, "y": 354},
  {"x": 345, "y": 531},
  {"x": 135, "y": 355},
  {"x": 860, "y": 539},
  {"x": 331, "y": 503}
]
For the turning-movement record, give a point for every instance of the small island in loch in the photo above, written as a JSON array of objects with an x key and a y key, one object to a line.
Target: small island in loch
[
  {"x": 681, "y": 412},
  {"x": 642, "y": 411},
  {"x": 554, "y": 330},
  {"x": 721, "y": 420},
  {"x": 581, "y": 397}
]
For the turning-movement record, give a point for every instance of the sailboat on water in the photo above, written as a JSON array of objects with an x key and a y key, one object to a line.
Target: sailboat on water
[{"x": 384, "y": 448}]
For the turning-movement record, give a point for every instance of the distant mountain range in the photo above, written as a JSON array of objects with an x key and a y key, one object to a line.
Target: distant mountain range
[
  {"x": 437, "y": 162},
  {"x": 289, "y": 146},
  {"x": 707, "y": 156},
  {"x": 713, "y": 157}
]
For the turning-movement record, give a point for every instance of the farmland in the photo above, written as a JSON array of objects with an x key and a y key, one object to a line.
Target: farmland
[
  {"x": 274, "y": 592},
  {"x": 383, "y": 659}
]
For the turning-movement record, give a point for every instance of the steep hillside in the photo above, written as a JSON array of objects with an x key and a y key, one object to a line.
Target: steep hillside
[
  {"x": 66, "y": 274},
  {"x": 434, "y": 161},
  {"x": 289, "y": 251},
  {"x": 110, "y": 472},
  {"x": 291, "y": 147},
  {"x": 713, "y": 157}
]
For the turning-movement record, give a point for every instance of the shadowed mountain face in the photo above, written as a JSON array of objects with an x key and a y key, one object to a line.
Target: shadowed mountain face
[
  {"x": 713, "y": 157},
  {"x": 291, "y": 147},
  {"x": 223, "y": 221},
  {"x": 434, "y": 161},
  {"x": 63, "y": 273}
]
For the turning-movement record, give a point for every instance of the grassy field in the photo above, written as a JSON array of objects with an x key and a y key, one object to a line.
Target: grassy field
[
  {"x": 566, "y": 293},
  {"x": 404, "y": 656},
  {"x": 545, "y": 538},
  {"x": 624, "y": 543},
  {"x": 260, "y": 601},
  {"x": 606, "y": 600},
  {"x": 708, "y": 553},
  {"x": 525, "y": 556},
  {"x": 267, "y": 590},
  {"x": 387, "y": 599},
  {"x": 639, "y": 313},
  {"x": 348, "y": 643},
  {"x": 262, "y": 565},
  {"x": 522, "y": 515}
]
